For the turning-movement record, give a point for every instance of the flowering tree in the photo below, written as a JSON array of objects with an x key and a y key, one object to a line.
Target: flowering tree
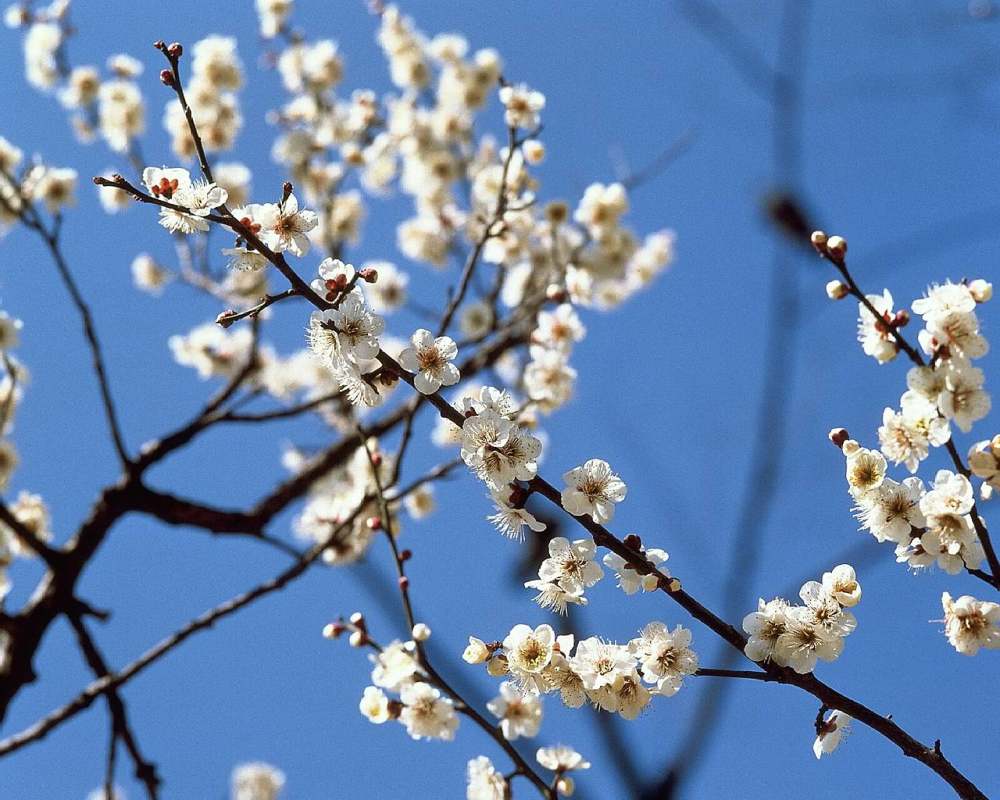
[{"x": 493, "y": 363}]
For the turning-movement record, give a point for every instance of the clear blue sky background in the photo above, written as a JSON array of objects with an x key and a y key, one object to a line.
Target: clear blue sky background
[{"x": 901, "y": 118}]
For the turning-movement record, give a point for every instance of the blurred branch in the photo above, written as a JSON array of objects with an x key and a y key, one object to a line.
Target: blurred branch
[{"x": 780, "y": 359}]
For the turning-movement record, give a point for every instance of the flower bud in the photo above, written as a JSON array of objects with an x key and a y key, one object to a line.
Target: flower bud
[
  {"x": 836, "y": 246},
  {"x": 836, "y": 290},
  {"x": 477, "y": 652},
  {"x": 818, "y": 240},
  {"x": 404, "y": 583},
  {"x": 369, "y": 275},
  {"x": 838, "y": 436},
  {"x": 420, "y": 632},
  {"x": 166, "y": 77},
  {"x": 358, "y": 639},
  {"x": 333, "y": 630},
  {"x": 357, "y": 618},
  {"x": 902, "y": 318},
  {"x": 850, "y": 447},
  {"x": 565, "y": 786},
  {"x": 981, "y": 290},
  {"x": 533, "y": 150},
  {"x": 175, "y": 50},
  {"x": 374, "y": 523}
]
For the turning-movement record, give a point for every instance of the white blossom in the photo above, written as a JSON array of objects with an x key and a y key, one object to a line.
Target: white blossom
[
  {"x": 284, "y": 226},
  {"x": 832, "y": 731},
  {"x": 630, "y": 581},
  {"x": 485, "y": 782},
  {"x": 529, "y": 652},
  {"x": 971, "y": 624},
  {"x": 426, "y": 713},
  {"x": 519, "y": 714},
  {"x": 257, "y": 781},
  {"x": 874, "y": 333},
  {"x": 374, "y": 705},
  {"x": 665, "y": 656},
  {"x": 430, "y": 358},
  {"x": 522, "y": 106},
  {"x": 593, "y": 489}
]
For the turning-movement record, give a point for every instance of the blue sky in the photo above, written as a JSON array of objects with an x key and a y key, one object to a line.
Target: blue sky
[{"x": 900, "y": 117}]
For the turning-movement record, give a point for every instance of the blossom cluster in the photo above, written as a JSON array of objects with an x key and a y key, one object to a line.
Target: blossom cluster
[
  {"x": 28, "y": 509},
  {"x": 570, "y": 569},
  {"x": 797, "y": 635},
  {"x": 110, "y": 105},
  {"x": 937, "y": 524},
  {"x": 485, "y": 782},
  {"x": 342, "y": 509},
  {"x": 613, "y": 677},
  {"x": 36, "y": 183}
]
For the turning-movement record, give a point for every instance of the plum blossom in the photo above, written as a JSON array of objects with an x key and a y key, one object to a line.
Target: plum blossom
[
  {"x": 430, "y": 358},
  {"x": 630, "y": 581},
  {"x": 665, "y": 656},
  {"x": 830, "y": 732},
  {"x": 519, "y": 714},
  {"x": 484, "y": 781},
  {"x": 971, "y": 624},
  {"x": 874, "y": 333},
  {"x": 284, "y": 226},
  {"x": 593, "y": 489},
  {"x": 522, "y": 106},
  {"x": 426, "y": 713}
]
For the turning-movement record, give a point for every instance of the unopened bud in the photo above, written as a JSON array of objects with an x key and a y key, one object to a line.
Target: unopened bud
[
  {"x": 633, "y": 541},
  {"x": 374, "y": 523},
  {"x": 286, "y": 190},
  {"x": 838, "y": 436},
  {"x": 836, "y": 246},
  {"x": 166, "y": 77},
  {"x": 477, "y": 652},
  {"x": 369, "y": 275},
  {"x": 556, "y": 293},
  {"x": 818, "y": 240},
  {"x": 404, "y": 583},
  {"x": 902, "y": 318},
  {"x": 533, "y": 150},
  {"x": 333, "y": 630},
  {"x": 981, "y": 290},
  {"x": 377, "y": 459},
  {"x": 357, "y": 618},
  {"x": 406, "y": 555},
  {"x": 565, "y": 786},
  {"x": 836, "y": 290},
  {"x": 358, "y": 639},
  {"x": 420, "y": 632},
  {"x": 175, "y": 50}
]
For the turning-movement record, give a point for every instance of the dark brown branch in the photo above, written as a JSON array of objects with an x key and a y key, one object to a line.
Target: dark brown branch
[
  {"x": 85, "y": 699},
  {"x": 145, "y": 771}
]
